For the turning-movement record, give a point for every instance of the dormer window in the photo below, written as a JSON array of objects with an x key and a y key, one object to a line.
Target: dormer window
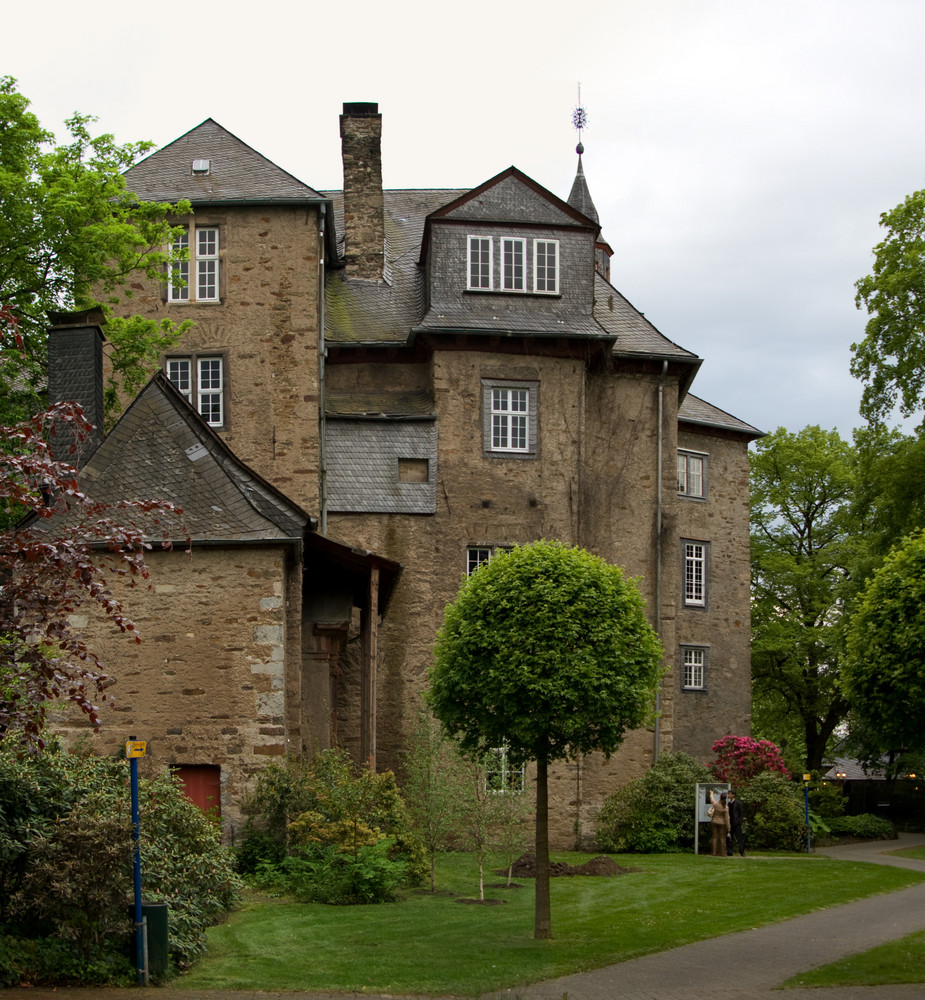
[
  {"x": 523, "y": 265},
  {"x": 201, "y": 167}
]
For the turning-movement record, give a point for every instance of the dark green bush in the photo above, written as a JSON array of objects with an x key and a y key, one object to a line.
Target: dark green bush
[
  {"x": 653, "y": 814},
  {"x": 66, "y": 864},
  {"x": 866, "y": 825}
]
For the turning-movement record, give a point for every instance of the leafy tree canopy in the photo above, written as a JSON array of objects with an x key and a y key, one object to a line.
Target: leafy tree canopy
[
  {"x": 885, "y": 673},
  {"x": 890, "y": 360},
  {"x": 804, "y": 547},
  {"x": 547, "y": 651},
  {"x": 71, "y": 233}
]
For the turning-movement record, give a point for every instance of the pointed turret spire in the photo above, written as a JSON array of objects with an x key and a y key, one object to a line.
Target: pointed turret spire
[{"x": 580, "y": 196}]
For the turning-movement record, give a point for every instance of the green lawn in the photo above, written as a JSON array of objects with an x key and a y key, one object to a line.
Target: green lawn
[{"x": 435, "y": 945}]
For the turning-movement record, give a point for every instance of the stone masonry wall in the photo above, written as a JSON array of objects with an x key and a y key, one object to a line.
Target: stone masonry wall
[
  {"x": 265, "y": 326},
  {"x": 207, "y": 683}
]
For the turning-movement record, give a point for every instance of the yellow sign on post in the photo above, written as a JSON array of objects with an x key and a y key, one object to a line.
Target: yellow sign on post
[{"x": 135, "y": 748}]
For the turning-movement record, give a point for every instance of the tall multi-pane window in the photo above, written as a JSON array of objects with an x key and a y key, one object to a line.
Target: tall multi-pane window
[
  {"x": 695, "y": 574},
  {"x": 693, "y": 668},
  {"x": 202, "y": 382},
  {"x": 195, "y": 279},
  {"x": 509, "y": 410},
  {"x": 691, "y": 478},
  {"x": 479, "y": 262},
  {"x": 546, "y": 265},
  {"x": 513, "y": 256}
]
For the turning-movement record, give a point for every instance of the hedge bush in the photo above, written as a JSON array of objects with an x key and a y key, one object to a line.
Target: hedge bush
[{"x": 867, "y": 825}]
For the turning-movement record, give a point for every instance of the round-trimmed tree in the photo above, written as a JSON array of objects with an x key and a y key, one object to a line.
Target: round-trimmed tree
[{"x": 546, "y": 651}]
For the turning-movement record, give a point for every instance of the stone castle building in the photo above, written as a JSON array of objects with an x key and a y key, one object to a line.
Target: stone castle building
[{"x": 381, "y": 389}]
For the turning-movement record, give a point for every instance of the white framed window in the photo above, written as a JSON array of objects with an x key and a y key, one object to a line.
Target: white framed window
[
  {"x": 692, "y": 467},
  {"x": 509, "y": 417},
  {"x": 480, "y": 262},
  {"x": 695, "y": 574},
  {"x": 196, "y": 278},
  {"x": 477, "y": 555},
  {"x": 201, "y": 380},
  {"x": 513, "y": 264},
  {"x": 500, "y": 776},
  {"x": 546, "y": 266},
  {"x": 509, "y": 411},
  {"x": 693, "y": 668}
]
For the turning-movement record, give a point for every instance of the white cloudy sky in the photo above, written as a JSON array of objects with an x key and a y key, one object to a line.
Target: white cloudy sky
[{"x": 739, "y": 152}]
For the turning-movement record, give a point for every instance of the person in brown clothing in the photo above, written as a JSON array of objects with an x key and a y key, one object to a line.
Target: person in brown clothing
[{"x": 719, "y": 824}]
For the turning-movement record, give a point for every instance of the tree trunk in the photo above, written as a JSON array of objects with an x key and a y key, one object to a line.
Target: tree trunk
[{"x": 543, "y": 918}]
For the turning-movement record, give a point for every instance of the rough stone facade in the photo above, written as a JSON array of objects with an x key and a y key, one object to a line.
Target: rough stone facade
[{"x": 366, "y": 379}]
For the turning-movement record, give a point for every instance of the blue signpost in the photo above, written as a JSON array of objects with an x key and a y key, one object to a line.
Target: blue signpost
[{"x": 133, "y": 750}]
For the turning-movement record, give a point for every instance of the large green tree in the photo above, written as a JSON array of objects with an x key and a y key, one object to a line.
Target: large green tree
[
  {"x": 890, "y": 360},
  {"x": 71, "y": 234},
  {"x": 804, "y": 549},
  {"x": 884, "y": 675},
  {"x": 545, "y": 651}
]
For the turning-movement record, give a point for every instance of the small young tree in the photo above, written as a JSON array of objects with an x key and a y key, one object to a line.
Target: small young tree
[
  {"x": 433, "y": 787},
  {"x": 546, "y": 651}
]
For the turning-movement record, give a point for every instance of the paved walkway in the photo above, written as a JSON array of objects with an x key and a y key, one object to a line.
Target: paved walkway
[{"x": 747, "y": 965}]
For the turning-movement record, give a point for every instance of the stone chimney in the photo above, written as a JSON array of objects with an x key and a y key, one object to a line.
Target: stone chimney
[
  {"x": 75, "y": 374},
  {"x": 364, "y": 215}
]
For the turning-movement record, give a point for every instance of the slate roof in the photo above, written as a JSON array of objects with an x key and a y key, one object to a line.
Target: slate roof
[
  {"x": 238, "y": 172},
  {"x": 580, "y": 196},
  {"x": 694, "y": 410},
  {"x": 161, "y": 449},
  {"x": 359, "y": 310}
]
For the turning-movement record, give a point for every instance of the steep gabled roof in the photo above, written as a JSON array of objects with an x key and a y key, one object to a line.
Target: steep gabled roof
[
  {"x": 161, "y": 449},
  {"x": 237, "y": 173}
]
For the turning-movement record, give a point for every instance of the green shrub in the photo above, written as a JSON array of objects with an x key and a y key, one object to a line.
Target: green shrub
[
  {"x": 775, "y": 813},
  {"x": 654, "y": 813},
  {"x": 348, "y": 829},
  {"x": 256, "y": 850},
  {"x": 866, "y": 825},
  {"x": 827, "y": 800}
]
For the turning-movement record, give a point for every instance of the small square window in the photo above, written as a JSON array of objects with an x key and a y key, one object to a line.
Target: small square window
[
  {"x": 500, "y": 776},
  {"x": 476, "y": 555}
]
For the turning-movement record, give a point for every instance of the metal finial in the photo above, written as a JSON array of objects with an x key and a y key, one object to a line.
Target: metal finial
[{"x": 579, "y": 122}]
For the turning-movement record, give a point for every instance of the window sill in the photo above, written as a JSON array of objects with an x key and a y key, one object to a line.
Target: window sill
[{"x": 508, "y": 293}]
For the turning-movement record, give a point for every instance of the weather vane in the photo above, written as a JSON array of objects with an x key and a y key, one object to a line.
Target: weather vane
[{"x": 579, "y": 121}]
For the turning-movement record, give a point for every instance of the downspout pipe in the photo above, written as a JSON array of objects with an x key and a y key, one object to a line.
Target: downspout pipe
[
  {"x": 322, "y": 358},
  {"x": 658, "y": 549}
]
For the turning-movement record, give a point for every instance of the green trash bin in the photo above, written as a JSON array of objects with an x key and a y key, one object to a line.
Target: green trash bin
[{"x": 155, "y": 917}]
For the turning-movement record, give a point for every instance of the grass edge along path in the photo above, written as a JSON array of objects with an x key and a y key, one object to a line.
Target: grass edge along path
[
  {"x": 889, "y": 964},
  {"x": 433, "y": 944}
]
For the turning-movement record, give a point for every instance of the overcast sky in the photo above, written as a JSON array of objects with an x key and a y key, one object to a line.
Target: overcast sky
[{"x": 739, "y": 152}]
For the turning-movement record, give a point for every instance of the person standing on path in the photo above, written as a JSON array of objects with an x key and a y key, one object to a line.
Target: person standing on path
[
  {"x": 719, "y": 824},
  {"x": 736, "y": 819}
]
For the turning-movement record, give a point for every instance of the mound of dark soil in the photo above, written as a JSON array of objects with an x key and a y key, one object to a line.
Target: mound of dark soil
[{"x": 525, "y": 867}]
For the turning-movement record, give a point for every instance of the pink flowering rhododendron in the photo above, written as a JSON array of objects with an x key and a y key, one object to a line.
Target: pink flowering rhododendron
[{"x": 740, "y": 758}]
